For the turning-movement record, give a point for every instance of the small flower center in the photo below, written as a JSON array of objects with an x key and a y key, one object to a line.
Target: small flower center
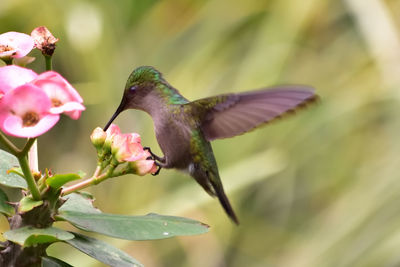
[
  {"x": 5, "y": 48},
  {"x": 30, "y": 119},
  {"x": 56, "y": 102}
]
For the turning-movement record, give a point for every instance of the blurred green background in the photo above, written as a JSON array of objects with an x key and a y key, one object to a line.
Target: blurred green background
[{"x": 321, "y": 188}]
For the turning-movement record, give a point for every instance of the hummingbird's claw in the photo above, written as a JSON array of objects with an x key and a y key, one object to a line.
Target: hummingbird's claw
[
  {"x": 158, "y": 171},
  {"x": 148, "y": 149},
  {"x": 154, "y": 156}
]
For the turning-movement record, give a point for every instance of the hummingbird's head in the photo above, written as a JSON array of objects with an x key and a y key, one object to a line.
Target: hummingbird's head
[{"x": 138, "y": 90}]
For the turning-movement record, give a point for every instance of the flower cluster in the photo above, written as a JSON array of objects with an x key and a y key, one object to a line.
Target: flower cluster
[
  {"x": 117, "y": 148},
  {"x": 31, "y": 104}
]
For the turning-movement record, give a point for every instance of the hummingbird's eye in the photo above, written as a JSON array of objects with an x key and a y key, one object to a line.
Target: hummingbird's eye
[{"x": 133, "y": 88}]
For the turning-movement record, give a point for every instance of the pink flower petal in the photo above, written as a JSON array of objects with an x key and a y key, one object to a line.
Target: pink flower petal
[
  {"x": 14, "y": 76},
  {"x": 112, "y": 130},
  {"x": 57, "y": 87},
  {"x": 64, "y": 97},
  {"x": 143, "y": 167},
  {"x": 133, "y": 138},
  {"x": 71, "y": 109},
  {"x": 12, "y": 125},
  {"x": 25, "y": 98},
  {"x": 124, "y": 149},
  {"x": 135, "y": 152},
  {"x": 76, "y": 114},
  {"x": 19, "y": 43}
]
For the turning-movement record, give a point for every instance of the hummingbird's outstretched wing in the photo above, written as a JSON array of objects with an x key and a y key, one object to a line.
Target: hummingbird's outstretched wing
[{"x": 233, "y": 114}]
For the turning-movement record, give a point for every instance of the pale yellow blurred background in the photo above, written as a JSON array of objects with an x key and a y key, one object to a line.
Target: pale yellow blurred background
[{"x": 321, "y": 188}]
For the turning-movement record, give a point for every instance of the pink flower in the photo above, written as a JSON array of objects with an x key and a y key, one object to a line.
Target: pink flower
[
  {"x": 14, "y": 76},
  {"x": 124, "y": 148},
  {"x": 15, "y": 45},
  {"x": 64, "y": 98},
  {"x": 127, "y": 148},
  {"x": 24, "y": 112},
  {"x": 47, "y": 95}
]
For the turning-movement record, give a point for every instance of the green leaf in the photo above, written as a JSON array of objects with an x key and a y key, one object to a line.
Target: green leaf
[
  {"x": 5, "y": 208},
  {"x": 28, "y": 236},
  {"x": 28, "y": 203},
  {"x": 102, "y": 251},
  {"x": 7, "y": 162},
  {"x": 59, "y": 180},
  {"x": 79, "y": 202},
  {"x": 146, "y": 227},
  {"x": 49, "y": 261}
]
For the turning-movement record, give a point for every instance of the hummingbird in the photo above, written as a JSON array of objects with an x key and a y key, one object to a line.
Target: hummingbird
[{"x": 185, "y": 128}]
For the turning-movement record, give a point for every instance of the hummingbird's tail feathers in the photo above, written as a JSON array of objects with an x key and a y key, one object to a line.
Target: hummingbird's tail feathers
[
  {"x": 213, "y": 186},
  {"x": 223, "y": 199},
  {"x": 234, "y": 114}
]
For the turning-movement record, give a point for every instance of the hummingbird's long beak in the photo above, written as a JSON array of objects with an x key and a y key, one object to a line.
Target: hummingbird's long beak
[{"x": 120, "y": 108}]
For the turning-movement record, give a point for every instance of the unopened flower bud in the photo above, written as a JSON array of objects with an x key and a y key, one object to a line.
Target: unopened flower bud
[
  {"x": 44, "y": 40},
  {"x": 98, "y": 137}
]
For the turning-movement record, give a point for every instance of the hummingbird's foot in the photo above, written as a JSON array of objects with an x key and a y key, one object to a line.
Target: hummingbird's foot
[
  {"x": 154, "y": 156},
  {"x": 158, "y": 170}
]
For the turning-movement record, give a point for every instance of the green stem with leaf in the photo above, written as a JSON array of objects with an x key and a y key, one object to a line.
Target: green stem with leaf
[
  {"x": 94, "y": 180},
  {"x": 21, "y": 155},
  {"x": 23, "y": 162}
]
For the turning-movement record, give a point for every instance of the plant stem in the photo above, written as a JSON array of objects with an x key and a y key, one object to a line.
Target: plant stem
[
  {"x": 23, "y": 162},
  {"x": 33, "y": 158},
  {"x": 10, "y": 146},
  {"x": 8, "y": 61},
  {"x": 30, "y": 149},
  {"x": 27, "y": 146},
  {"x": 48, "y": 60},
  {"x": 94, "y": 180}
]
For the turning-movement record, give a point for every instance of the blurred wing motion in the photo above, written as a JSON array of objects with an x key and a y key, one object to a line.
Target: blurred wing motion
[{"x": 233, "y": 114}]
